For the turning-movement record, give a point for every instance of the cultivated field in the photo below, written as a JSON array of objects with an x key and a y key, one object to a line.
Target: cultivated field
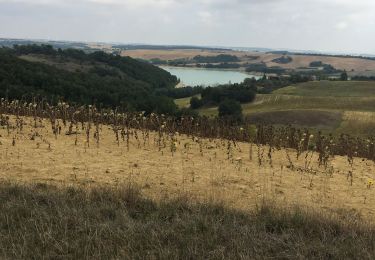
[{"x": 331, "y": 88}]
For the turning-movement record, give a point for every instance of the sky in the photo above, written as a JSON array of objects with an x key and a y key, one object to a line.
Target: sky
[{"x": 324, "y": 25}]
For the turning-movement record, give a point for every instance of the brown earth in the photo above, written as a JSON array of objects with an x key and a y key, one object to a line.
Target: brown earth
[
  {"x": 361, "y": 66},
  {"x": 348, "y": 64},
  {"x": 174, "y": 54}
]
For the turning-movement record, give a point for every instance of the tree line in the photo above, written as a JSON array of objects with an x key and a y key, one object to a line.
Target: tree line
[{"x": 108, "y": 80}]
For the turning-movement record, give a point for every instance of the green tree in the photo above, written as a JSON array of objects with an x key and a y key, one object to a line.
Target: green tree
[
  {"x": 344, "y": 76},
  {"x": 195, "y": 103},
  {"x": 230, "y": 109},
  {"x": 112, "y": 81}
]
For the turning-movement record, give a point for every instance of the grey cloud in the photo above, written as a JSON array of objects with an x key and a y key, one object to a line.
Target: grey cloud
[{"x": 335, "y": 25}]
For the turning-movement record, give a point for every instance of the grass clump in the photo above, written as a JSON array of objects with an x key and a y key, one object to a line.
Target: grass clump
[{"x": 43, "y": 221}]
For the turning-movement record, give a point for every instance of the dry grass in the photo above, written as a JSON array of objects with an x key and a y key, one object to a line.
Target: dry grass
[
  {"x": 358, "y": 123},
  {"x": 73, "y": 196},
  {"x": 175, "y": 54},
  {"x": 46, "y": 222},
  {"x": 204, "y": 169},
  {"x": 349, "y": 64}
]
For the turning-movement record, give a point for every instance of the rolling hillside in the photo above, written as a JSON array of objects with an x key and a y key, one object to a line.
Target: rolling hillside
[
  {"x": 331, "y": 106},
  {"x": 354, "y": 65},
  {"x": 151, "y": 193},
  {"x": 27, "y": 72}
]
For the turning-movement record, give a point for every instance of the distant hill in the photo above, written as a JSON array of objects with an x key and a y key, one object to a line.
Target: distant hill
[
  {"x": 322, "y": 55},
  {"x": 165, "y": 47},
  {"x": 72, "y": 75},
  {"x": 283, "y": 60}
]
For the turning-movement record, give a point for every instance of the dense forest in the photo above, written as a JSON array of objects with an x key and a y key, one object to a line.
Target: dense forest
[
  {"x": 327, "y": 68},
  {"x": 219, "y": 61},
  {"x": 223, "y": 65},
  {"x": 211, "y": 96},
  {"x": 216, "y": 59},
  {"x": 243, "y": 92},
  {"x": 105, "y": 79},
  {"x": 263, "y": 68}
]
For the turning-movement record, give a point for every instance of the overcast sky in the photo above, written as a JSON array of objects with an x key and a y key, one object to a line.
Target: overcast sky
[{"x": 327, "y": 25}]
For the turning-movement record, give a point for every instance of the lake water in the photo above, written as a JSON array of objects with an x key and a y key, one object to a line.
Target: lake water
[{"x": 207, "y": 77}]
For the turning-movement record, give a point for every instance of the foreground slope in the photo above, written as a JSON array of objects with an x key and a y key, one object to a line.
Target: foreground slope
[
  {"x": 240, "y": 175},
  {"x": 331, "y": 106},
  {"x": 46, "y": 222},
  {"x": 71, "y": 193}
]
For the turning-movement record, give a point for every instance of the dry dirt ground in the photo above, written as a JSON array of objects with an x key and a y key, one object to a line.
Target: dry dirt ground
[
  {"x": 174, "y": 54},
  {"x": 348, "y": 64},
  {"x": 360, "y": 66},
  {"x": 202, "y": 172}
]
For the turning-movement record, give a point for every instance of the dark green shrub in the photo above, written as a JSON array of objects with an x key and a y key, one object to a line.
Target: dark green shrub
[
  {"x": 230, "y": 109},
  {"x": 195, "y": 103}
]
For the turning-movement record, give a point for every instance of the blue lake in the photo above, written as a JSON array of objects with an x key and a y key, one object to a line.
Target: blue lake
[{"x": 207, "y": 77}]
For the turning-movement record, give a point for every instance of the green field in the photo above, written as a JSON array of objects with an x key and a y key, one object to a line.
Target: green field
[
  {"x": 184, "y": 102},
  {"x": 331, "y": 88},
  {"x": 276, "y": 102},
  {"x": 326, "y": 105}
]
